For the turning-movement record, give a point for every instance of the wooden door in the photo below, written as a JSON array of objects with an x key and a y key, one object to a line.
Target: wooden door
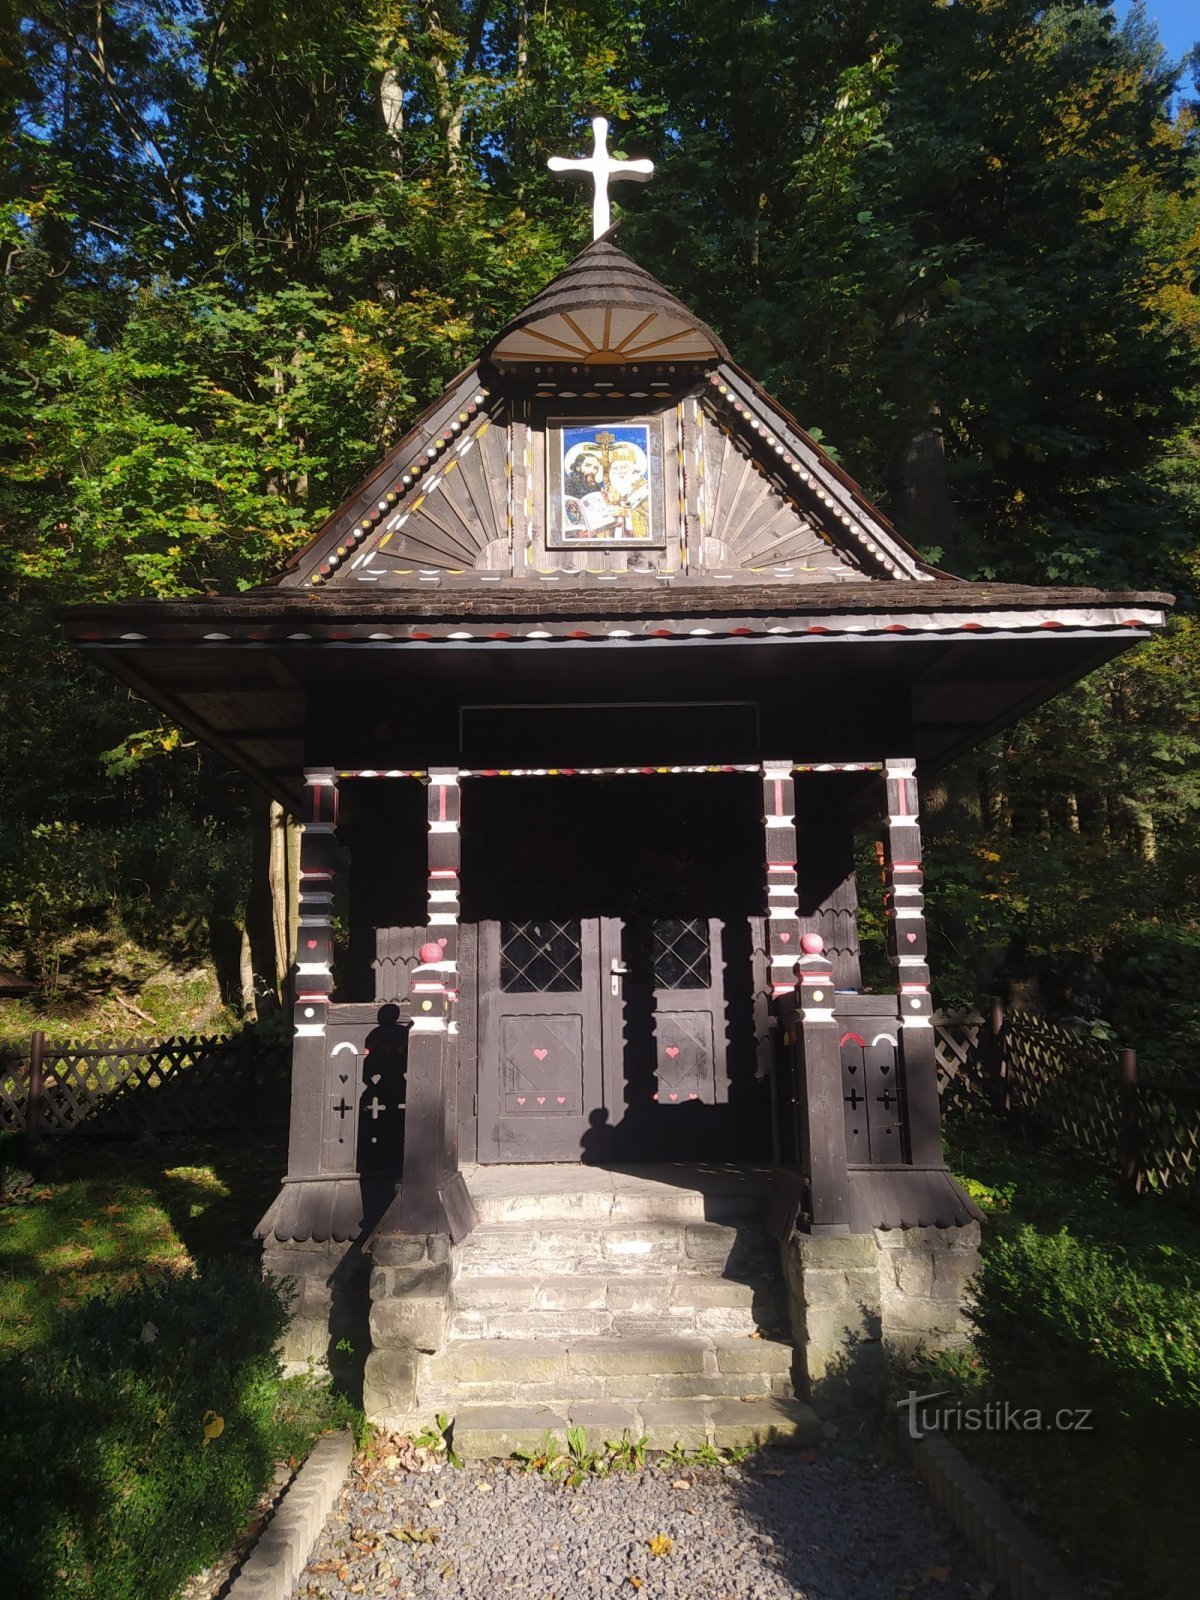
[
  {"x": 541, "y": 1062},
  {"x": 688, "y": 976}
]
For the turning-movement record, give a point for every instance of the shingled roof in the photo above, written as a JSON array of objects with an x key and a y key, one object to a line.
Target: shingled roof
[{"x": 603, "y": 309}]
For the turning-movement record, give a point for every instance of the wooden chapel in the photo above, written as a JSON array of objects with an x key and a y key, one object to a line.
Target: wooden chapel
[{"x": 581, "y": 697}]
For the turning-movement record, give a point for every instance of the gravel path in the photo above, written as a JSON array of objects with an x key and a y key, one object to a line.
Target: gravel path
[{"x": 786, "y": 1525}]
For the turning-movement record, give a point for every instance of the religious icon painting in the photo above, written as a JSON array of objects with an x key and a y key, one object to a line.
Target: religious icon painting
[{"x": 605, "y": 485}]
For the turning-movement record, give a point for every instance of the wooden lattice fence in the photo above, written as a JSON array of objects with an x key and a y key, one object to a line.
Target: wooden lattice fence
[
  {"x": 1077, "y": 1088},
  {"x": 205, "y": 1083}
]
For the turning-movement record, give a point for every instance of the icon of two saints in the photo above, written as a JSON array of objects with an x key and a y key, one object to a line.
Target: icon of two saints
[{"x": 606, "y": 490}]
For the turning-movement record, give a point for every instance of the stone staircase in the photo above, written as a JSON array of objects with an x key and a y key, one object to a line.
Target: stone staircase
[{"x": 647, "y": 1299}]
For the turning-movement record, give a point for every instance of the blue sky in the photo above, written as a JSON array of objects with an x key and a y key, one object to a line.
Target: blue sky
[{"x": 1178, "y": 23}]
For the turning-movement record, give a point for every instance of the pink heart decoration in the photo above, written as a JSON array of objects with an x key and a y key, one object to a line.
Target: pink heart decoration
[
  {"x": 312, "y": 944},
  {"x": 540, "y": 1055},
  {"x": 520, "y": 1099},
  {"x": 561, "y": 1098},
  {"x": 672, "y": 1051},
  {"x": 911, "y": 937},
  {"x": 693, "y": 1097},
  {"x": 674, "y": 1097},
  {"x": 785, "y": 938},
  {"x": 541, "y": 1099},
  {"x": 443, "y": 942}
]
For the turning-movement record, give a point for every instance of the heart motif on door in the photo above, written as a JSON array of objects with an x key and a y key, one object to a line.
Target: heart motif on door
[
  {"x": 520, "y": 1099},
  {"x": 911, "y": 937},
  {"x": 674, "y": 1097},
  {"x": 540, "y": 1055},
  {"x": 672, "y": 1051},
  {"x": 541, "y": 1099},
  {"x": 561, "y": 1098},
  {"x": 785, "y": 938}
]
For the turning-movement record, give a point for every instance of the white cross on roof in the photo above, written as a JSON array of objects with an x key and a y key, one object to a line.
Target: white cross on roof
[{"x": 603, "y": 170}]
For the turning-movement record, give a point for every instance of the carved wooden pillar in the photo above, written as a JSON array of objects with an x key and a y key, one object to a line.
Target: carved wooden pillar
[
  {"x": 432, "y": 1196},
  {"x": 314, "y": 971},
  {"x": 783, "y": 924},
  {"x": 909, "y": 954},
  {"x": 822, "y": 1133}
]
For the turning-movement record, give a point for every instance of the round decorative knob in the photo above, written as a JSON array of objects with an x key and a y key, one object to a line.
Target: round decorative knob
[
  {"x": 812, "y": 944},
  {"x": 431, "y": 952}
]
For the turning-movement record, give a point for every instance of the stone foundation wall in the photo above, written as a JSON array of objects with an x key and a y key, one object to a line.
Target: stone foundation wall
[
  {"x": 327, "y": 1286},
  {"x": 854, "y": 1298},
  {"x": 410, "y": 1305}
]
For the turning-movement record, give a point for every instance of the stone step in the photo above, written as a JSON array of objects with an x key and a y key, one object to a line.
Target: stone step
[
  {"x": 482, "y": 1431},
  {"x": 500, "y": 1249},
  {"x": 491, "y": 1306},
  {"x": 635, "y": 1368},
  {"x": 662, "y": 1192}
]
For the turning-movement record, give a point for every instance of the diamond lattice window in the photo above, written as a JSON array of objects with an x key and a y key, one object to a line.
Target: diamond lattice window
[
  {"x": 681, "y": 957},
  {"x": 540, "y": 957}
]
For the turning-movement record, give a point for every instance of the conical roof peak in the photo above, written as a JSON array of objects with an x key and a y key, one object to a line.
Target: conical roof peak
[{"x": 604, "y": 309}]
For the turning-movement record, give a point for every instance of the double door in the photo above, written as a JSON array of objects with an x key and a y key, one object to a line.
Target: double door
[{"x": 585, "y": 1023}]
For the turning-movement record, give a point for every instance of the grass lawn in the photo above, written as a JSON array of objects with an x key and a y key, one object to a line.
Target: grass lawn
[
  {"x": 100, "y": 1215},
  {"x": 1088, "y": 1301},
  {"x": 144, "y": 1410}
]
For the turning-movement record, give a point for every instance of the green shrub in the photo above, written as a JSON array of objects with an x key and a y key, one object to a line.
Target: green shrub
[
  {"x": 1067, "y": 1322},
  {"x": 137, "y": 1436}
]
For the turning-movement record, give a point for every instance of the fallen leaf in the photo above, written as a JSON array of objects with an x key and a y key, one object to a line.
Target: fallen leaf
[
  {"x": 773, "y": 1472},
  {"x": 636, "y": 1582},
  {"x": 448, "y": 1570},
  {"x": 484, "y": 1488},
  {"x": 757, "y": 1334},
  {"x": 681, "y": 1483},
  {"x": 416, "y": 1535},
  {"x": 661, "y": 1545},
  {"x": 149, "y": 1333},
  {"x": 214, "y": 1426}
]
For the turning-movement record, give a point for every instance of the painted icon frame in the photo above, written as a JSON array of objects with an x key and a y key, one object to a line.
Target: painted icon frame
[{"x": 604, "y": 484}]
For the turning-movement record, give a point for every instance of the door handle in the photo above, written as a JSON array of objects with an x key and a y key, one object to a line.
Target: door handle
[{"x": 618, "y": 969}]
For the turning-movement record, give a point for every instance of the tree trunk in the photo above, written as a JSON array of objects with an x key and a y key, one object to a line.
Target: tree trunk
[
  {"x": 226, "y": 938},
  {"x": 261, "y": 921}
]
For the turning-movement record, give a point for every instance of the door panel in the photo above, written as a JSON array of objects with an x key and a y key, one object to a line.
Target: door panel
[
  {"x": 684, "y": 1041},
  {"x": 541, "y": 1063},
  {"x": 540, "y": 1058},
  {"x": 689, "y": 1010}
]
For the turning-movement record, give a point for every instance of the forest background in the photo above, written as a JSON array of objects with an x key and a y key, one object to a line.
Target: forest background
[{"x": 243, "y": 245}]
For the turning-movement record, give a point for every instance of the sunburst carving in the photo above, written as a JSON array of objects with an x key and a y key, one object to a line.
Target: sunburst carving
[
  {"x": 456, "y": 521},
  {"x": 748, "y": 523}
]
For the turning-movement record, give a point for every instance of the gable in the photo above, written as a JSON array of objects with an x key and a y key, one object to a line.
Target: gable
[{"x": 486, "y": 489}]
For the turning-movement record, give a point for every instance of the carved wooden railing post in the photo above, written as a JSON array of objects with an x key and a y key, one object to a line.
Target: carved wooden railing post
[
  {"x": 314, "y": 970},
  {"x": 783, "y": 933},
  {"x": 823, "y": 1101},
  {"x": 909, "y": 953},
  {"x": 432, "y": 1042}
]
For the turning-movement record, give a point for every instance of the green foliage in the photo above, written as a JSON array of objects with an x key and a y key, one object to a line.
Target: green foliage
[
  {"x": 436, "y": 1438},
  {"x": 580, "y": 1460},
  {"x": 1085, "y": 1302},
  {"x": 242, "y": 250},
  {"x": 1063, "y": 1318},
  {"x": 160, "y": 1407}
]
